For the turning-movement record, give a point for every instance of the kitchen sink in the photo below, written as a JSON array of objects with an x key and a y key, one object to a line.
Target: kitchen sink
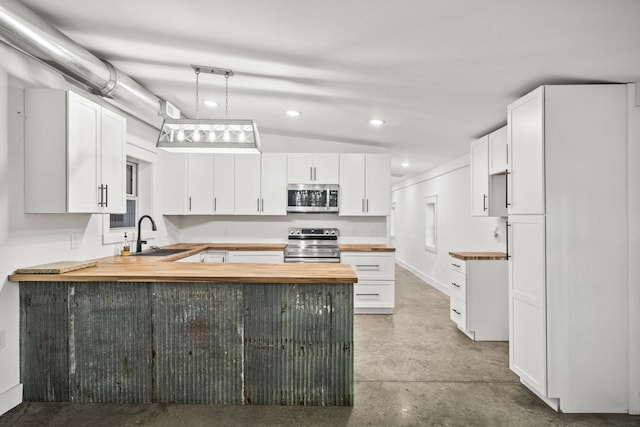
[{"x": 159, "y": 252}]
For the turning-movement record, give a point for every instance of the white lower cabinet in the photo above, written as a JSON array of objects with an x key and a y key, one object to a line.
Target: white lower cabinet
[
  {"x": 375, "y": 291},
  {"x": 479, "y": 301},
  {"x": 264, "y": 257}
]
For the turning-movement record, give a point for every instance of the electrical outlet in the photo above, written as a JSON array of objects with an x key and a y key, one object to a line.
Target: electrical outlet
[
  {"x": 2, "y": 338},
  {"x": 74, "y": 241}
]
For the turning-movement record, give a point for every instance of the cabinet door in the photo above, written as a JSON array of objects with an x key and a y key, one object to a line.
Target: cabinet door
[
  {"x": 498, "y": 152},
  {"x": 113, "y": 133},
  {"x": 527, "y": 294},
  {"x": 525, "y": 128},
  {"x": 378, "y": 184},
  {"x": 300, "y": 168},
  {"x": 200, "y": 184},
  {"x": 327, "y": 167},
  {"x": 263, "y": 257},
  {"x": 83, "y": 133},
  {"x": 480, "y": 177},
  {"x": 247, "y": 184},
  {"x": 173, "y": 178},
  {"x": 352, "y": 181},
  {"x": 273, "y": 199},
  {"x": 223, "y": 183}
]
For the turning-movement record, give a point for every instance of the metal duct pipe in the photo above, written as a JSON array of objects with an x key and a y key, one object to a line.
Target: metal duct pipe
[{"x": 27, "y": 32}]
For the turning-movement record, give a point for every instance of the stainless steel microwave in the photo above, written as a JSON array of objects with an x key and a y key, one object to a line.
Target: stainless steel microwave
[{"x": 312, "y": 198}]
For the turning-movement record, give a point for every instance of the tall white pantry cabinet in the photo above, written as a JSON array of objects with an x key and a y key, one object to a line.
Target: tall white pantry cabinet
[{"x": 568, "y": 285}]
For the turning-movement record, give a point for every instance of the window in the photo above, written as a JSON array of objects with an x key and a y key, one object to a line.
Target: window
[
  {"x": 392, "y": 221},
  {"x": 430, "y": 223},
  {"x": 128, "y": 219}
]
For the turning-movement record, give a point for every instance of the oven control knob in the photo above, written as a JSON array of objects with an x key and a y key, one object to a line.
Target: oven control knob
[
  {"x": 333, "y": 232},
  {"x": 298, "y": 231},
  {"x": 326, "y": 231}
]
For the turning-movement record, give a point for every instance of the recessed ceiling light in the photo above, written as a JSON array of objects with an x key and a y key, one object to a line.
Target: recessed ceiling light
[
  {"x": 404, "y": 164},
  {"x": 211, "y": 104},
  {"x": 376, "y": 122},
  {"x": 293, "y": 113}
]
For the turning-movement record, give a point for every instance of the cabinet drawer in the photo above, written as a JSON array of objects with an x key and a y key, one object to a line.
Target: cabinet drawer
[
  {"x": 458, "y": 312},
  {"x": 371, "y": 266},
  {"x": 458, "y": 286},
  {"x": 264, "y": 257},
  {"x": 373, "y": 295},
  {"x": 458, "y": 265}
]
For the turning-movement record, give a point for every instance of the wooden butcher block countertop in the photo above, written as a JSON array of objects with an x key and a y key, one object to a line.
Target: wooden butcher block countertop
[
  {"x": 363, "y": 247},
  {"x": 467, "y": 256},
  {"x": 162, "y": 269}
]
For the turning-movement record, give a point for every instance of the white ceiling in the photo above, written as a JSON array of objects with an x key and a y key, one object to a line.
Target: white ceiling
[{"x": 440, "y": 72}]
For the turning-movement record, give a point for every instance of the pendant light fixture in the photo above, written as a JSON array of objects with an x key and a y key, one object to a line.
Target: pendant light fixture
[{"x": 210, "y": 135}]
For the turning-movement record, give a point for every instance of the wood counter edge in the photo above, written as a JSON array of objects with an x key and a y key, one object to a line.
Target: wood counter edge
[{"x": 479, "y": 256}]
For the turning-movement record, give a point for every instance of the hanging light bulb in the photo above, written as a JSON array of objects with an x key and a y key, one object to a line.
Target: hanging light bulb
[
  {"x": 226, "y": 136},
  {"x": 241, "y": 136},
  {"x": 211, "y": 135},
  {"x": 196, "y": 135},
  {"x": 180, "y": 135},
  {"x": 171, "y": 135}
]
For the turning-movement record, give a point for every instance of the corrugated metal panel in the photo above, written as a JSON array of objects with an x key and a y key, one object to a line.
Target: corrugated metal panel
[
  {"x": 299, "y": 344},
  {"x": 198, "y": 341},
  {"x": 110, "y": 340},
  {"x": 44, "y": 359}
]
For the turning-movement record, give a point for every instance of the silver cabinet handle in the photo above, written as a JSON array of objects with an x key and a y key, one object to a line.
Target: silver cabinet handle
[
  {"x": 106, "y": 196},
  {"x": 310, "y": 173},
  {"x": 484, "y": 202},
  {"x": 367, "y": 205},
  {"x": 456, "y": 265},
  {"x": 189, "y": 203},
  {"x": 455, "y": 284},
  {"x": 315, "y": 174},
  {"x": 363, "y": 206},
  {"x": 261, "y": 205},
  {"x": 456, "y": 311},
  {"x": 368, "y": 295},
  {"x": 215, "y": 204},
  {"x": 258, "y": 199},
  {"x": 367, "y": 265}
]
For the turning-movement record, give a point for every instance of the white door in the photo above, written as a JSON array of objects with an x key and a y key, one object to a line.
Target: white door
[
  {"x": 525, "y": 136},
  {"x": 327, "y": 167},
  {"x": 247, "y": 184},
  {"x": 173, "y": 179},
  {"x": 480, "y": 177},
  {"x": 300, "y": 168},
  {"x": 113, "y": 132},
  {"x": 498, "y": 152},
  {"x": 200, "y": 184},
  {"x": 83, "y": 127},
  {"x": 273, "y": 199},
  {"x": 527, "y": 294},
  {"x": 378, "y": 184},
  {"x": 352, "y": 181},
  {"x": 223, "y": 183}
]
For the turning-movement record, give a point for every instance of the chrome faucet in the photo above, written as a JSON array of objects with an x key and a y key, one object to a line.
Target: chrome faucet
[{"x": 139, "y": 242}]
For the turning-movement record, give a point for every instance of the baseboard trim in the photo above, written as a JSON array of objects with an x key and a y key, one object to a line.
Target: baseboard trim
[
  {"x": 429, "y": 280},
  {"x": 11, "y": 398}
]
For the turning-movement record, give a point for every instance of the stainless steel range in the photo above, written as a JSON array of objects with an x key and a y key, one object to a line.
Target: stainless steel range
[{"x": 312, "y": 245}]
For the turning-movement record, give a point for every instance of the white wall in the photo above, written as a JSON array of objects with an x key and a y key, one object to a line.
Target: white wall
[
  {"x": 456, "y": 230},
  {"x": 273, "y": 229}
]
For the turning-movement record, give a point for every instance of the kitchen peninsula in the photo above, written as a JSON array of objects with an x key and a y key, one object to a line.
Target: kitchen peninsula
[{"x": 146, "y": 329}]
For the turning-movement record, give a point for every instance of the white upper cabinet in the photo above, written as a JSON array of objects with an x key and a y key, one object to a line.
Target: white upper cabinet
[
  {"x": 199, "y": 184},
  {"x": 273, "y": 184},
  {"x": 173, "y": 179},
  {"x": 74, "y": 154},
  {"x": 261, "y": 184},
  {"x": 223, "y": 184},
  {"x": 498, "y": 151},
  {"x": 525, "y": 179},
  {"x": 487, "y": 191},
  {"x": 308, "y": 168},
  {"x": 365, "y": 184},
  {"x": 480, "y": 177}
]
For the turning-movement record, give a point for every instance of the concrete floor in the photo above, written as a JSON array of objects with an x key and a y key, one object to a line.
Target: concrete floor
[{"x": 412, "y": 368}]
